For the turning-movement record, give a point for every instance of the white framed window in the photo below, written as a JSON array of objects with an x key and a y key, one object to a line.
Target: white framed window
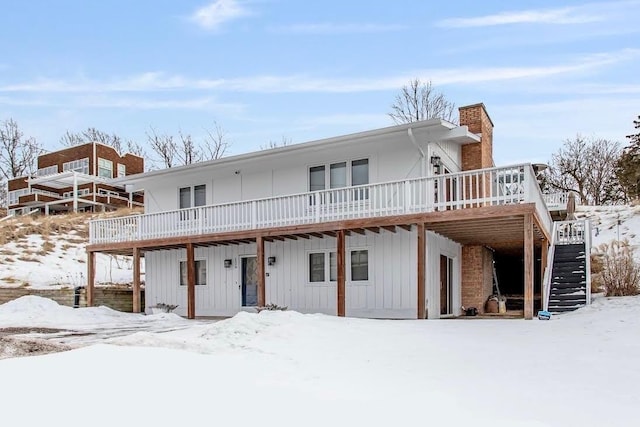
[
  {"x": 80, "y": 165},
  {"x": 122, "y": 170},
  {"x": 15, "y": 195},
  {"x": 105, "y": 168},
  {"x": 339, "y": 174},
  {"x": 201, "y": 272},
  {"x": 49, "y": 170},
  {"x": 81, "y": 192},
  {"x": 189, "y": 197},
  {"x": 323, "y": 266},
  {"x": 359, "y": 265}
]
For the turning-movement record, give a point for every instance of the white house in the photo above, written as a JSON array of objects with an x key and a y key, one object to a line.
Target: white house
[{"x": 399, "y": 222}]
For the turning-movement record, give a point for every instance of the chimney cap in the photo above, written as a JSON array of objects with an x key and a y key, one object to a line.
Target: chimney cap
[{"x": 479, "y": 104}]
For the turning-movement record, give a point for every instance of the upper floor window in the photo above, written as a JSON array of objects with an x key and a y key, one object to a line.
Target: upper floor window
[
  {"x": 49, "y": 170},
  {"x": 122, "y": 170},
  {"x": 15, "y": 195},
  {"x": 192, "y": 196},
  {"x": 80, "y": 165},
  {"x": 339, "y": 175},
  {"x": 105, "y": 168}
]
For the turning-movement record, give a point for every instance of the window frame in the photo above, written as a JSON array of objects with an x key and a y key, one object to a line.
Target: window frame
[
  {"x": 327, "y": 166},
  {"x": 198, "y": 261},
  {"x": 192, "y": 196},
  {"x": 121, "y": 170},
  {"x": 331, "y": 274},
  {"x": 78, "y": 165},
  {"x": 102, "y": 167}
]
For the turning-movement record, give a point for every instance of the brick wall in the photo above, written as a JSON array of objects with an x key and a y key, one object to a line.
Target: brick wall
[
  {"x": 117, "y": 299},
  {"x": 477, "y": 276},
  {"x": 478, "y": 155}
]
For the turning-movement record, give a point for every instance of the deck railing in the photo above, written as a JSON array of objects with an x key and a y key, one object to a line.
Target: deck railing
[
  {"x": 484, "y": 187},
  {"x": 559, "y": 201}
]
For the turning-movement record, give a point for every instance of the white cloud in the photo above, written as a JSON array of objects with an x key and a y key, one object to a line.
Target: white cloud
[
  {"x": 565, "y": 15},
  {"x": 161, "y": 82},
  {"x": 212, "y": 16},
  {"x": 329, "y": 28}
]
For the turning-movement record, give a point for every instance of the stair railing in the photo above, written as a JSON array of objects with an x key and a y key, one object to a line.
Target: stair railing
[
  {"x": 546, "y": 280},
  {"x": 587, "y": 261}
]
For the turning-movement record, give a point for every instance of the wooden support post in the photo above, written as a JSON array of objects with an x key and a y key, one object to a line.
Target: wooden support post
[
  {"x": 137, "y": 307},
  {"x": 191, "y": 282},
  {"x": 544, "y": 253},
  {"x": 91, "y": 277},
  {"x": 342, "y": 281},
  {"x": 422, "y": 288},
  {"x": 528, "y": 266},
  {"x": 261, "y": 273}
]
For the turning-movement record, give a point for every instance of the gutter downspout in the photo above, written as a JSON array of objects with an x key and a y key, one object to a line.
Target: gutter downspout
[{"x": 422, "y": 154}]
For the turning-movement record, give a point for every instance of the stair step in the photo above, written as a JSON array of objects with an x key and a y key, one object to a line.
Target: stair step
[
  {"x": 568, "y": 297},
  {"x": 567, "y": 273},
  {"x": 567, "y": 303},
  {"x": 567, "y": 290},
  {"x": 562, "y": 309},
  {"x": 569, "y": 280},
  {"x": 568, "y": 248}
]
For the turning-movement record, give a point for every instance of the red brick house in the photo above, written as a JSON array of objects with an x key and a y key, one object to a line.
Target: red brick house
[{"x": 78, "y": 178}]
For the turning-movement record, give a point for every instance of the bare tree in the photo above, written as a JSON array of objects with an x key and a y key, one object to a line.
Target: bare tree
[
  {"x": 586, "y": 166},
  {"x": 216, "y": 143},
  {"x": 187, "y": 152},
  {"x": 136, "y": 148},
  {"x": 18, "y": 154},
  {"x": 163, "y": 146},
  {"x": 91, "y": 134},
  {"x": 419, "y": 101},
  {"x": 275, "y": 144}
]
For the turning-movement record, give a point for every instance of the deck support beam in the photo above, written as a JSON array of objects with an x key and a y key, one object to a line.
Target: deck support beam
[
  {"x": 422, "y": 288},
  {"x": 261, "y": 272},
  {"x": 191, "y": 282},
  {"x": 137, "y": 306},
  {"x": 91, "y": 277},
  {"x": 528, "y": 266},
  {"x": 341, "y": 273}
]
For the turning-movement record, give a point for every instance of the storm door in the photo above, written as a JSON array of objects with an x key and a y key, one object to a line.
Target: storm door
[{"x": 249, "y": 281}]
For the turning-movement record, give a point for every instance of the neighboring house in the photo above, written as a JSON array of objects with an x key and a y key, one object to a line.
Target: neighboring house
[
  {"x": 401, "y": 222},
  {"x": 78, "y": 178}
]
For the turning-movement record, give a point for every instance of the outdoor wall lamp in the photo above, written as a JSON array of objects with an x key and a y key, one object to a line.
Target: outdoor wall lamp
[
  {"x": 227, "y": 263},
  {"x": 436, "y": 161},
  {"x": 271, "y": 260}
]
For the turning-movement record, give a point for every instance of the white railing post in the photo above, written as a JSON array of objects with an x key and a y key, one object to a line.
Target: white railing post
[
  {"x": 254, "y": 214},
  {"x": 548, "y": 271},
  {"x": 407, "y": 196}
]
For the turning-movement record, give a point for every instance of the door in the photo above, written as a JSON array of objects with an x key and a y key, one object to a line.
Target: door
[
  {"x": 446, "y": 285},
  {"x": 249, "y": 281}
]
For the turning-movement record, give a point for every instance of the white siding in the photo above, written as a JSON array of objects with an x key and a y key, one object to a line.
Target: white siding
[
  {"x": 438, "y": 245},
  {"x": 390, "y": 291}
]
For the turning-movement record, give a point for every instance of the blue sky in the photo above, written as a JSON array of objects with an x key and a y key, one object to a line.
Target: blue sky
[{"x": 264, "y": 69}]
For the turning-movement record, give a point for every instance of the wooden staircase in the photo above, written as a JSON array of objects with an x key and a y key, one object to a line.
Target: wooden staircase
[{"x": 568, "y": 283}]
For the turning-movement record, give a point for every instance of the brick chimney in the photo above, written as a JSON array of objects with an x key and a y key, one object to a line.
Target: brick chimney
[{"x": 478, "y": 155}]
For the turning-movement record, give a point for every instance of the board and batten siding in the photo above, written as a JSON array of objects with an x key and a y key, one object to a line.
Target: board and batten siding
[
  {"x": 390, "y": 292},
  {"x": 439, "y": 245},
  {"x": 390, "y": 159}
]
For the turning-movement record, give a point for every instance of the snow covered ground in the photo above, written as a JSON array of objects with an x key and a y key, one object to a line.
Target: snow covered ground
[
  {"x": 613, "y": 223},
  {"x": 286, "y": 369}
]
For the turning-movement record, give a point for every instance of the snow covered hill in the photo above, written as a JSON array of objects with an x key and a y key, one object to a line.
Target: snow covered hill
[
  {"x": 613, "y": 223},
  {"x": 48, "y": 252}
]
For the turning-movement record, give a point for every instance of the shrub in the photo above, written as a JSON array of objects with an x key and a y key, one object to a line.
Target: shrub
[
  {"x": 620, "y": 273},
  {"x": 271, "y": 307},
  {"x": 597, "y": 266}
]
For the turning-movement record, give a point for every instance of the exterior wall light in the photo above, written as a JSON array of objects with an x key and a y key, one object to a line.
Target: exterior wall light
[
  {"x": 436, "y": 161},
  {"x": 271, "y": 260},
  {"x": 227, "y": 263}
]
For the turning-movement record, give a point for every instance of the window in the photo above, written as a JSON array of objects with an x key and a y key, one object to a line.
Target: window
[
  {"x": 49, "y": 170},
  {"x": 359, "y": 265},
  {"x": 122, "y": 170},
  {"x": 81, "y": 165},
  {"x": 105, "y": 168},
  {"x": 199, "y": 198},
  {"x": 15, "y": 195},
  {"x": 201, "y": 273},
  {"x": 80, "y": 192},
  {"x": 316, "y": 178},
  {"x": 339, "y": 175},
  {"x": 323, "y": 264},
  {"x": 316, "y": 267}
]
